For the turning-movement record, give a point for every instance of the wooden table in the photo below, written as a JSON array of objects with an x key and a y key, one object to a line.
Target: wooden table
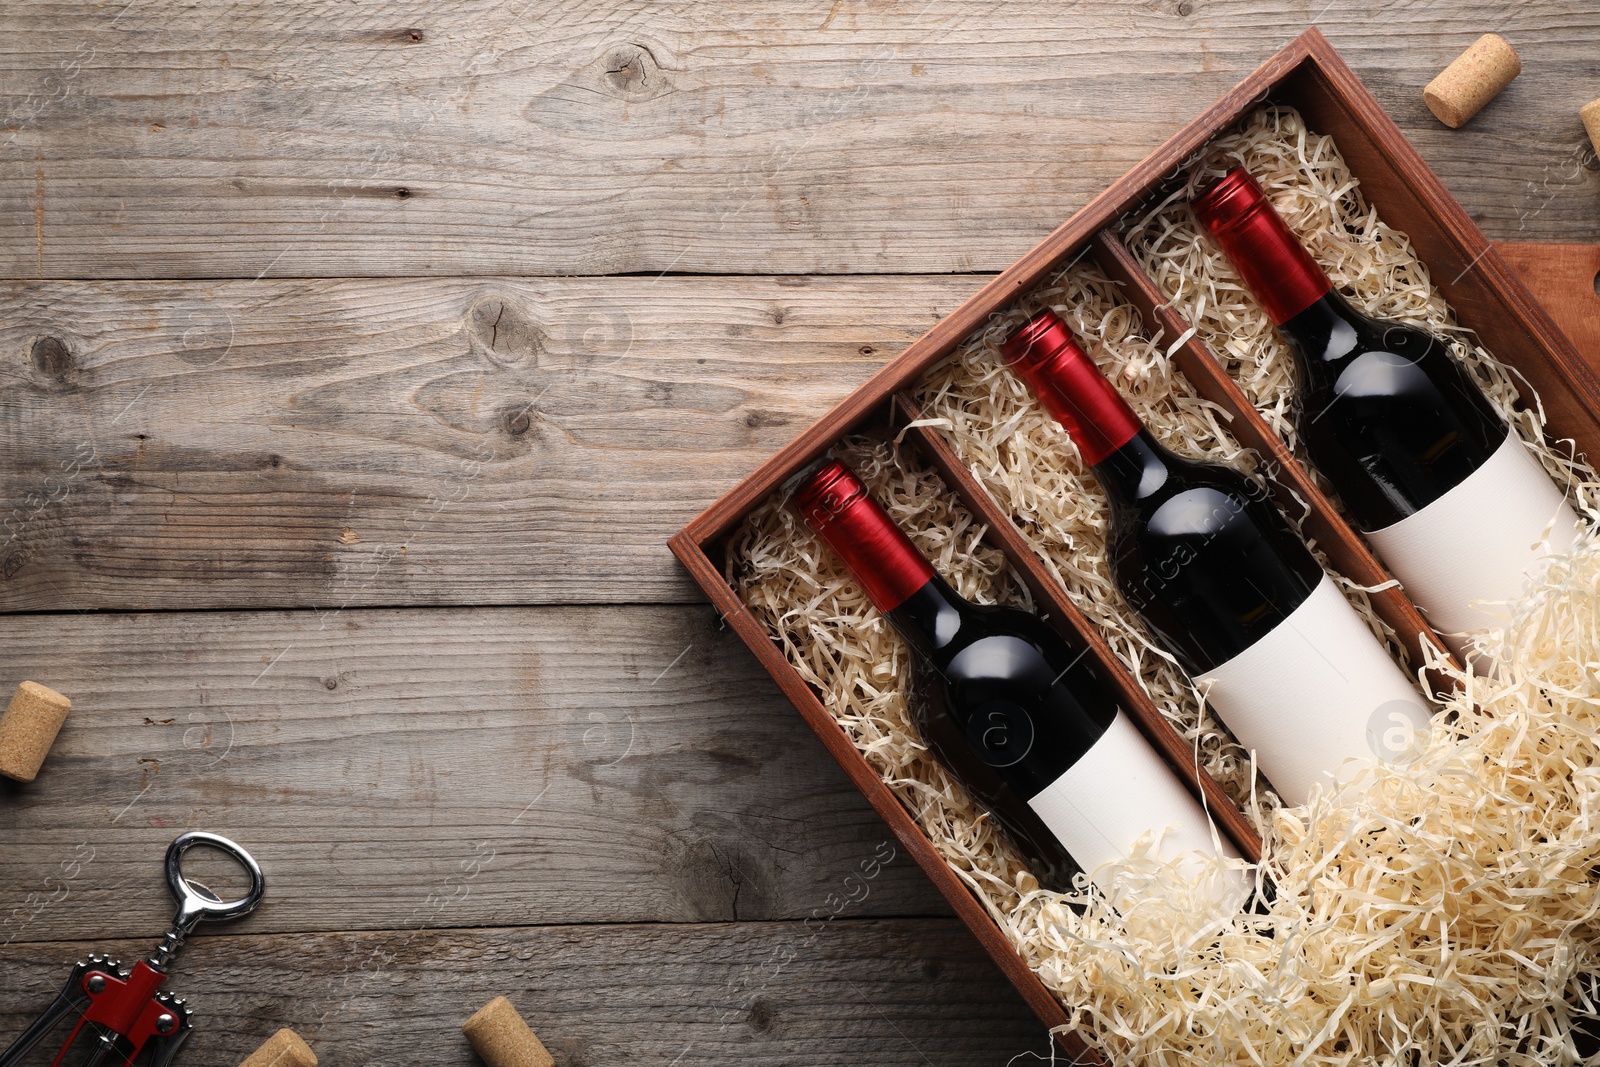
[{"x": 358, "y": 361}]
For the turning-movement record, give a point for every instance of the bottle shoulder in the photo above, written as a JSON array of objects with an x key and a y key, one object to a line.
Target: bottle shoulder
[
  {"x": 994, "y": 624},
  {"x": 1209, "y": 564},
  {"x": 1013, "y": 694},
  {"x": 1355, "y": 356},
  {"x": 1359, "y": 357},
  {"x": 1388, "y": 414},
  {"x": 1199, "y": 498},
  {"x": 941, "y": 624},
  {"x": 1142, "y": 476}
]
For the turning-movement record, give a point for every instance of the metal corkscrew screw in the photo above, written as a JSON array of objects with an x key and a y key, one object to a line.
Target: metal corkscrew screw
[{"x": 124, "y": 1013}]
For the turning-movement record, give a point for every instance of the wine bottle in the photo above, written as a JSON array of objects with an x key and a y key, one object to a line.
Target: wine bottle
[
  {"x": 1445, "y": 492},
  {"x": 1017, "y": 713},
  {"x": 1219, "y": 577}
]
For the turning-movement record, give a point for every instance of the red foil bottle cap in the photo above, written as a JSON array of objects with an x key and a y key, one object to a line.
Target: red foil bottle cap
[
  {"x": 1070, "y": 387},
  {"x": 1265, "y": 252},
  {"x": 835, "y": 503}
]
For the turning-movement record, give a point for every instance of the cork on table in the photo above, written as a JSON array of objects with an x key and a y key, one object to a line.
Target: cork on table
[
  {"x": 28, "y": 728},
  {"x": 1472, "y": 79},
  {"x": 358, "y": 364},
  {"x": 283, "y": 1049},
  {"x": 502, "y": 1037}
]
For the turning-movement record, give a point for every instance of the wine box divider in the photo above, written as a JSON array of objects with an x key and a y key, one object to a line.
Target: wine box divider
[
  {"x": 1053, "y": 601},
  {"x": 1486, "y": 295},
  {"x": 1296, "y": 490}
]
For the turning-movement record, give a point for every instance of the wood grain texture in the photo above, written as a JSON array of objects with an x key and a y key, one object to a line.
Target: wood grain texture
[
  {"x": 1044, "y": 259},
  {"x": 895, "y": 993},
  {"x": 1566, "y": 279},
  {"x": 347, "y": 443},
  {"x": 395, "y": 769},
  {"x": 438, "y": 793},
  {"x": 802, "y": 136},
  {"x": 456, "y": 441}
]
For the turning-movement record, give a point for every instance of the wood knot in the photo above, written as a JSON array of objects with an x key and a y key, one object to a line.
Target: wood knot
[
  {"x": 763, "y": 1016},
  {"x": 758, "y": 419},
  {"x": 498, "y": 329},
  {"x": 517, "y": 420},
  {"x": 633, "y": 73},
  {"x": 52, "y": 358},
  {"x": 405, "y": 35}
]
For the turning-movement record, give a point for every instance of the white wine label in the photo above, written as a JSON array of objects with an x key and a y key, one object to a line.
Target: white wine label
[
  {"x": 1465, "y": 555},
  {"x": 1317, "y": 691},
  {"x": 1117, "y": 792}
]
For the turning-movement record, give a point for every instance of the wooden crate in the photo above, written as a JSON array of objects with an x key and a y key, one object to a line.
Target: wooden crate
[{"x": 1486, "y": 295}]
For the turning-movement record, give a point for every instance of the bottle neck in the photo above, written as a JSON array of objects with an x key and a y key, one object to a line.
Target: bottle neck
[
  {"x": 930, "y": 617},
  {"x": 1275, "y": 266},
  {"x": 1325, "y": 331},
  {"x": 835, "y": 503},
  {"x": 1136, "y": 471},
  {"x": 898, "y": 579},
  {"x": 1071, "y": 388}
]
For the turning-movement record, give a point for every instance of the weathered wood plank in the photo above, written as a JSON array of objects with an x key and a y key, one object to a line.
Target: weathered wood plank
[
  {"x": 346, "y": 443},
  {"x": 804, "y": 136},
  {"x": 355, "y": 443},
  {"x": 475, "y": 767},
  {"x": 882, "y": 992}
]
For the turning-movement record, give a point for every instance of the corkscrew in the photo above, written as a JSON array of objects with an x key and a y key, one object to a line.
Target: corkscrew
[{"x": 124, "y": 1013}]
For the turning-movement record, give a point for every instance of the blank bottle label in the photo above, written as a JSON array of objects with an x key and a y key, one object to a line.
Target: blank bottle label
[
  {"x": 1117, "y": 792},
  {"x": 1316, "y": 692},
  {"x": 1465, "y": 556}
]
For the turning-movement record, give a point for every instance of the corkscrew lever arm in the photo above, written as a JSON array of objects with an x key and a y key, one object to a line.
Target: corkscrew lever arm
[{"x": 71, "y": 999}]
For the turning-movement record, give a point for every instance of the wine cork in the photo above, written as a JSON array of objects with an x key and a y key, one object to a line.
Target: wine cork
[
  {"x": 1590, "y": 113},
  {"x": 29, "y": 728},
  {"x": 1473, "y": 79},
  {"x": 283, "y": 1049},
  {"x": 502, "y": 1039}
]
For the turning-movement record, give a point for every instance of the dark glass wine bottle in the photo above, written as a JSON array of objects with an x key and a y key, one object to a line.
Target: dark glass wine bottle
[
  {"x": 1445, "y": 492},
  {"x": 1017, "y": 713},
  {"x": 1216, "y": 573}
]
